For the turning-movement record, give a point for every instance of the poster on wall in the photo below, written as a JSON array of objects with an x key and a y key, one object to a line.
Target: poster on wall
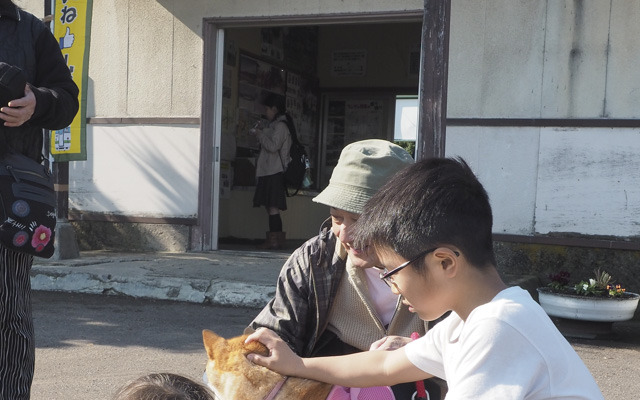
[
  {"x": 364, "y": 119},
  {"x": 335, "y": 130},
  {"x": 226, "y": 179},
  {"x": 351, "y": 120},
  {"x": 262, "y": 75},
  {"x": 272, "y": 43},
  {"x": 348, "y": 63},
  {"x": 296, "y": 47},
  {"x": 72, "y": 28},
  {"x": 256, "y": 80},
  {"x": 350, "y": 117},
  {"x": 302, "y": 104}
]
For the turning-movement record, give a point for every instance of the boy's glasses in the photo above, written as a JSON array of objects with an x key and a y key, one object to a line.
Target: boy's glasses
[{"x": 387, "y": 276}]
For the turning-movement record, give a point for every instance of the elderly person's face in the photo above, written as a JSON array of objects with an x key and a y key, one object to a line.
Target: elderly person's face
[{"x": 341, "y": 223}]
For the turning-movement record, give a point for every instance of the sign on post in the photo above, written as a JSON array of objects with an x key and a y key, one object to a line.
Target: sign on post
[{"x": 72, "y": 28}]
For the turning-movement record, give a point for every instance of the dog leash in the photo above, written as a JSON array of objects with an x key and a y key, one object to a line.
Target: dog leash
[
  {"x": 421, "y": 392},
  {"x": 272, "y": 394}
]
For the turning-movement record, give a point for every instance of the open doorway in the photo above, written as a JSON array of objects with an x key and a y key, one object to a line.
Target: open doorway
[{"x": 343, "y": 79}]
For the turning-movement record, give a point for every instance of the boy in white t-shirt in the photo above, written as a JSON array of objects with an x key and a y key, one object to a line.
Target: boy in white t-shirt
[{"x": 430, "y": 228}]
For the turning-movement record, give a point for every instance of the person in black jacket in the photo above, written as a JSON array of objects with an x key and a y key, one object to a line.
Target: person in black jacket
[{"x": 50, "y": 101}]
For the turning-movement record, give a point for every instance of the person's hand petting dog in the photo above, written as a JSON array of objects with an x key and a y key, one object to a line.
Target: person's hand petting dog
[
  {"x": 389, "y": 343},
  {"x": 280, "y": 359}
]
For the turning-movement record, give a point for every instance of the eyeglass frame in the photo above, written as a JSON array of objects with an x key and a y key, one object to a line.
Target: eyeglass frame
[{"x": 386, "y": 277}]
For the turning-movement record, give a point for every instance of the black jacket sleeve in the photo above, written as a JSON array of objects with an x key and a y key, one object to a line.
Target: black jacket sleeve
[{"x": 56, "y": 92}]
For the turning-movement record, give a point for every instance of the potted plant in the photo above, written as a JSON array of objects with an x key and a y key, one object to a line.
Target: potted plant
[{"x": 597, "y": 300}]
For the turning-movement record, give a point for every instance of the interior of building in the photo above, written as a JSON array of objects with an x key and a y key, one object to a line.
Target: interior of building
[{"x": 342, "y": 83}]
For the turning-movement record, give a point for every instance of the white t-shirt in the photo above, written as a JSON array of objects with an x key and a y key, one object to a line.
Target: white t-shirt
[{"x": 507, "y": 349}]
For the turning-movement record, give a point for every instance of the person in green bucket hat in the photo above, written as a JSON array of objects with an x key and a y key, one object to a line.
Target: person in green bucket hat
[{"x": 328, "y": 300}]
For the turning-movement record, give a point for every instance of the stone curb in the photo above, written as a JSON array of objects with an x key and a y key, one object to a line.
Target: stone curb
[{"x": 217, "y": 292}]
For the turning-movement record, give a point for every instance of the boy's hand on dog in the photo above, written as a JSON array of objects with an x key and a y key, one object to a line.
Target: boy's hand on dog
[
  {"x": 389, "y": 343},
  {"x": 280, "y": 359}
]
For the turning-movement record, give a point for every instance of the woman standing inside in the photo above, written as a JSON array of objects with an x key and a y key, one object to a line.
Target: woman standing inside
[{"x": 275, "y": 141}]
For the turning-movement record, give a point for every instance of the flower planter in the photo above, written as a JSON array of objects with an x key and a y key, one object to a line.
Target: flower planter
[
  {"x": 587, "y": 317},
  {"x": 587, "y": 308}
]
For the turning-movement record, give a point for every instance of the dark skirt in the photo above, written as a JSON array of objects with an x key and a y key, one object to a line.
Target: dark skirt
[{"x": 270, "y": 192}]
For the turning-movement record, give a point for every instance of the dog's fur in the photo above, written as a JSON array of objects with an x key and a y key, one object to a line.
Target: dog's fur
[{"x": 233, "y": 377}]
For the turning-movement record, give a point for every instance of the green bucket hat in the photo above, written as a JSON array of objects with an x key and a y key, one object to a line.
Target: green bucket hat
[{"x": 362, "y": 169}]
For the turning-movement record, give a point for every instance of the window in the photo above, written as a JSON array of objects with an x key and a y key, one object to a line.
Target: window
[
  {"x": 406, "y": 124},
  {"x": 405, "y": 129}
]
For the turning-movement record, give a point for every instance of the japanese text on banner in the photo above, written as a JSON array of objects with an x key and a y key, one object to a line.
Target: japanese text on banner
[{"x": 72, "y": 27}]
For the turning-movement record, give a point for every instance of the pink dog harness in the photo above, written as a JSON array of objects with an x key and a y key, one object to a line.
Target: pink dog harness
[
  {"x": 272, "y": 394},
  {"x": 371, "y": 393}
]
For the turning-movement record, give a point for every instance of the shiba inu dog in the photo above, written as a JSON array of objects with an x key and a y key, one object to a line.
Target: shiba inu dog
[{"x": 232, "y": 377}]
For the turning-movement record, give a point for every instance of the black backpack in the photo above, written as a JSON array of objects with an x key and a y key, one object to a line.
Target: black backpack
[
  {"x": 295, "y": 170},
  {"x": 297, "y": 167}
]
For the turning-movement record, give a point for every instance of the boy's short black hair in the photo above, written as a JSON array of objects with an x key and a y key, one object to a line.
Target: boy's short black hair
[{"x": 434, "y": 202}]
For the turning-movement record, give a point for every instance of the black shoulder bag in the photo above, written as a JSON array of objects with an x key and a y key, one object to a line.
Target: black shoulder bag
[
  {"x": 27, "y": 206},
  {"x": 27, "y": 195}
]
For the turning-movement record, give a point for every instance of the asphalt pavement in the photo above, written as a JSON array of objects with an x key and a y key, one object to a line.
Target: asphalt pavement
[
  {"x": 88, "y": 346},
  {"x": 246, "y": 278}
]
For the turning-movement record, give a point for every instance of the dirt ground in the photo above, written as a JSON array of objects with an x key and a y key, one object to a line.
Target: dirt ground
[{"x": 614, "y": 362}]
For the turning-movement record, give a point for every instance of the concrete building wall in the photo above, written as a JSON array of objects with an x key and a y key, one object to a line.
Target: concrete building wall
[
  {"x": 107, "y": 93},
  {"x": 508, "y": 59},
  {"x": 556, "y": 60},
  {"x": 623, "y": 75},
  {"x": 496, "y": 59},
  {"x": 532, "y": 59},
  {"x": 556, "y": 180},
  {"x": 536, "y": 59},
  {"x": 138, "y": 170},
  {"x": 35, "y": 7},
  {"x": 588, "y": 182},
  {"x": 146, "y": 55},
  {"x": 505, "y": 160},
  {"x": 144, "y": 62}
]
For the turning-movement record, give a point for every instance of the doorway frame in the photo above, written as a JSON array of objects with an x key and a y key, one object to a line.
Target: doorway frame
[{"x": 204, "y": 236}]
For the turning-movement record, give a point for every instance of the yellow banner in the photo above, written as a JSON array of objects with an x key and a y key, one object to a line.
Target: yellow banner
[{"x": 72, "y": 28}]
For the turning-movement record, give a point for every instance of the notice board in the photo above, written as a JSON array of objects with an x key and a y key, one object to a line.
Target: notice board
[{"x": 350, "y": 117}]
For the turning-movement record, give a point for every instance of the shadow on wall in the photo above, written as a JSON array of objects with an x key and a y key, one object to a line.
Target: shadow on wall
[
  {"x": 134, "y": 237},
  {"x": 186, "y": 14},
  {"x": 159, "y": 162}
]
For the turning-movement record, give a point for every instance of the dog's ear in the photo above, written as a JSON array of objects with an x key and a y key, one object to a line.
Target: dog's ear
[{"x": 209, "y": 338}]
